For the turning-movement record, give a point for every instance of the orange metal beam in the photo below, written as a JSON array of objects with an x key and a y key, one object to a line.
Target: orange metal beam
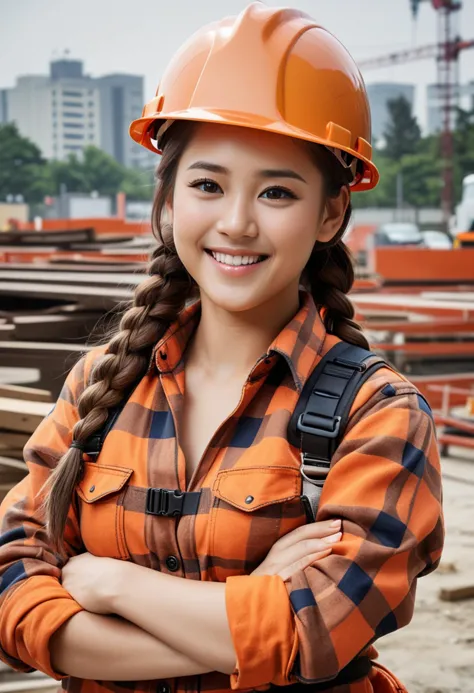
[
  {"x": 428, "y": 327},
  {"x": 414, "y": 265},
  {"x": 461, "y": 441},
  {"x": 429, "y": 348},
  {"x": 454, "y": 423}
]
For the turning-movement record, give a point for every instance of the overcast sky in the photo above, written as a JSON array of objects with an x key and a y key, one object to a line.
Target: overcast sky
[{"x": 140, "y": 37}]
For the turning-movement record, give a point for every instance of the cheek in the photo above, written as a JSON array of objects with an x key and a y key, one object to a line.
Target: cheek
[
  {"x": 191, "y": 220},
  {"x": 293, "y": 236}
]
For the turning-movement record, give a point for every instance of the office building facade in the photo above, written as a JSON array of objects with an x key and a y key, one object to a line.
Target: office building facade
[{"x": 67, "y": 111}]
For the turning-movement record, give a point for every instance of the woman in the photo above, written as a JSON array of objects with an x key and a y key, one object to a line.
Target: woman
[{"x": 264, "y": 129}]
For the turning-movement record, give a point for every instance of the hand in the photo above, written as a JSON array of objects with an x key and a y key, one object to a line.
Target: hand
[
  {"x": 300, "y": 548},
  {"x": 92, "y": 581}
]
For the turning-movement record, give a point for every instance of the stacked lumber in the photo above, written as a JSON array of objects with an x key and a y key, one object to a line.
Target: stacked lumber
[
  {"x": 21, "y": 411},
  {"x": 54, "y": 305}
]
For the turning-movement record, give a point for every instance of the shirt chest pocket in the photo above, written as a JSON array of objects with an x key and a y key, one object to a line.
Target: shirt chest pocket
[
  {"x": 252, "y": 509},
  {"x": 101, "y": 512}
]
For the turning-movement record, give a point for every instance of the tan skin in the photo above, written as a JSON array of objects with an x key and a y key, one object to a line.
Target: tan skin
[{"x": 242, "y": 210}]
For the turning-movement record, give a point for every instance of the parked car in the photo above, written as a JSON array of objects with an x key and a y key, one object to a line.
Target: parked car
[
  {"x": 437, "y": 240},
  {"x": 398, "y": 233}
]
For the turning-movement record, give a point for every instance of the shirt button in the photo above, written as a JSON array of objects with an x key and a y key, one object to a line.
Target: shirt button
[
  {"x": 164, "y": 688},
  {"x": 172, "y": 564}
]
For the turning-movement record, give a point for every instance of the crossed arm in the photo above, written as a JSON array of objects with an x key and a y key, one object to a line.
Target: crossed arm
[{"x": 169, "y": 626}]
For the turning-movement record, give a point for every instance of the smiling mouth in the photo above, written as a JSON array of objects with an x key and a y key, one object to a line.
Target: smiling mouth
[{"x": 236, "y": 260}]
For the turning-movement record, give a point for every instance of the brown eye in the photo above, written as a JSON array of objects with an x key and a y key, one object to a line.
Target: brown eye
[
  {"x": 278, "y": 193},
  {"x": 206, "y": 186}
]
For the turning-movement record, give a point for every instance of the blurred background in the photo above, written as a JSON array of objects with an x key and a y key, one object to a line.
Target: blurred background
[{"x": 75, "y": 202}]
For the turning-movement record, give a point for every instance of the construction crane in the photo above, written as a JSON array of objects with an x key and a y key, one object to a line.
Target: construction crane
[{"x": 446, "y": 52}]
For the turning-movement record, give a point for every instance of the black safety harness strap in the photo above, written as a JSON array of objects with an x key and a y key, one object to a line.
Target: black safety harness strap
[{"x": 319, "y": 420}]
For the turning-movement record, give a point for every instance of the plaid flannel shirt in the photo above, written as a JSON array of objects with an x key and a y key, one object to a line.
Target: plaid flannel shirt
[{"x": 384, "y": 483}]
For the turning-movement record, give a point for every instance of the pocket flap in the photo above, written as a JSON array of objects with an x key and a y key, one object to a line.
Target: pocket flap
[
  {"x": 254, "y": 487},
  {"x": 99, "y": 480}
]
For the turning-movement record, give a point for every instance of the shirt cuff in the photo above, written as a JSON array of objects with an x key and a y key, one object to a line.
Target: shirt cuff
[
  {"x": 263, "y": 630},
  {"x": 30, "y": 616}
]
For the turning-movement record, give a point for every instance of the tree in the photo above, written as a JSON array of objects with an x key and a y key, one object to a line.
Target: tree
[
  {"x": 402, "y": 134},
  {"x": 21, "y": 165},
  {"x": 101, "y": 171}
]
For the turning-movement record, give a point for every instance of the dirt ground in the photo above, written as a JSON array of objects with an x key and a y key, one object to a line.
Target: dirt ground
[{"x": 435, "y": 652}]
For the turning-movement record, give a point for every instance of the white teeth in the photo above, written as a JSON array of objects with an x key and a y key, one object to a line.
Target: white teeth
[{"x": 235, "y": 260}]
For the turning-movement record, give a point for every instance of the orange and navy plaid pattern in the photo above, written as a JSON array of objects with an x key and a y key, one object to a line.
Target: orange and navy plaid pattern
[{"x": 384, "y": 484}]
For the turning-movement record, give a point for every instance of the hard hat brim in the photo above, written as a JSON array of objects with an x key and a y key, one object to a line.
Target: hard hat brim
[{"x": 141, "y": 132}]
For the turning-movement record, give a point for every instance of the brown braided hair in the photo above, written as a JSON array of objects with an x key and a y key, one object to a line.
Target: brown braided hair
[{"x": 328, "y": 275}]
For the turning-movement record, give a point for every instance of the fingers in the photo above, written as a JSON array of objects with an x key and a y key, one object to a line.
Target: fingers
[
  {"x": 302, "y": 564},
  {"x": 314, "y": 530},
  {"x": 302, "y": 549}
]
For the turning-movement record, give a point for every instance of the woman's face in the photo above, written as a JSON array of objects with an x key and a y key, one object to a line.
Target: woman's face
[{"x": 247, "y": 209}]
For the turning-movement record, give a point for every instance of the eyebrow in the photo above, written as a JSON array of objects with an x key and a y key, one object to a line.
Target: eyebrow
[{"x": 265, "y": 173}]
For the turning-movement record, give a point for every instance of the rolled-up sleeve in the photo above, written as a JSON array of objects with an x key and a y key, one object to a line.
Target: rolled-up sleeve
[
  {"x": 385, "y": 485},
  {"x": 33, "y": 604}
]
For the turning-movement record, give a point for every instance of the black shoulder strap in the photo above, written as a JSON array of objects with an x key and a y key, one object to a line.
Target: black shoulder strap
[
  {"x": 94, "y": 444},
  {"x": 319, "y": 420}
]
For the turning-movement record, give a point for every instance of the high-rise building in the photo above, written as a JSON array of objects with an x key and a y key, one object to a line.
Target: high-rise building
[
  {"x": 68, "y": 110},
  {"x": 380, "y": 93},
  {"x": 121, "y": 100},
  {"x": 435, "y": 115}
]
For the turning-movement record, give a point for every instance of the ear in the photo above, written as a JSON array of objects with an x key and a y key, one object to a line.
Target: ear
[{"x": 333, "y": 215}]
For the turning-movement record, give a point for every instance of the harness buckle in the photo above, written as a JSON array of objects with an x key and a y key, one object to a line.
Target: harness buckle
[
  {"x": 318, "y": 424},
  {"x": 164, "y": 502}
]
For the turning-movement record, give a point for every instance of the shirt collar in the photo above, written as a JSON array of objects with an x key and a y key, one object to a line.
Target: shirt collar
[{"x": 300, "y": 343}]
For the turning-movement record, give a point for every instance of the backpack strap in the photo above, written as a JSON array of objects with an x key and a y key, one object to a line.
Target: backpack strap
[{"x": 320, "y": 417}]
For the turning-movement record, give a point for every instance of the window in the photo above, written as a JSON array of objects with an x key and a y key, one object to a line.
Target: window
[
  {"x": 72, "y": 104},
  {"x": 72, "y": 148},
  {"x": 74, "y": 125},
  {"x": 70, "y": 114},
  {"x": 73, "y": 93},
  {"x": 71, "y": 136},
  {"x": 91, "y": 104}
]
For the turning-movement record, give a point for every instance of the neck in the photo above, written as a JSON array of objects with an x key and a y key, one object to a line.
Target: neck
[{"x": 228, "y": 344}]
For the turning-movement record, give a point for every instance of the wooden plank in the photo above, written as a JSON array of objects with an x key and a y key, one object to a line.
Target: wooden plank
[
  {"x": 112, "y": 279},
  {"x": 456, "y": 594},
  {"x": 55, "y": 328},
  {"x": 52, "y": 359},
  {"x": 20, "y": 415},
  {"x": 8, "y": 439},
  {"x": 7, "y": 331},
  {"x": 76, "y": 266},
  {"x": 96, "y": 297},
  {"x": 9, "y": 463},
  {"x": 57, "y": 238},
  {"x": 32, "y": 394}
]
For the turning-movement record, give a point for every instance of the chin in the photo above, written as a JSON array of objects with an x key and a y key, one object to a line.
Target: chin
[{"x": 234, "y": 301}]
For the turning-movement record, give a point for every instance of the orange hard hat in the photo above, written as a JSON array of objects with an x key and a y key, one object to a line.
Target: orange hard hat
[{"x": 270, "y": 69}]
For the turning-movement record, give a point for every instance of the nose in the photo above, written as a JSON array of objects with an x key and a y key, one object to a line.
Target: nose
[{"x": 237, "y": 220}]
